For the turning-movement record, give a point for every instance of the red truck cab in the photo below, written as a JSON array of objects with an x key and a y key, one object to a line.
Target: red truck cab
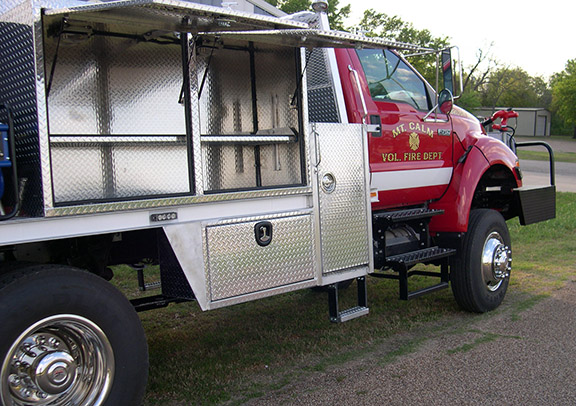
[{"x": 416, "y": 157}]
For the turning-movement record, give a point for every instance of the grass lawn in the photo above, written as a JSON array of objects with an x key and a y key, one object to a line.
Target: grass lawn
[
  {"x": 240, "y": 352},
  {"x": 561, "y": 138},
  {"x": 543, "y": 156}
]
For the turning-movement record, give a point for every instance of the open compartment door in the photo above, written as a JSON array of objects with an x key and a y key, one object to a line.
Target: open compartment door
[{"x": 343, "y": 196}]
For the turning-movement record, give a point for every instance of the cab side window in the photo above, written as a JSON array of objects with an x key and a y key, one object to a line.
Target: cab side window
[{"x": 391, "y": 79}]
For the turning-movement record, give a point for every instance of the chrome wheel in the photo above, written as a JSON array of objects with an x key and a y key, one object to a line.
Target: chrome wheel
[
  {"x": 60, "y": 360},
  {"x": 496, "y": 261},
  {"x": 480, "y": 274}
]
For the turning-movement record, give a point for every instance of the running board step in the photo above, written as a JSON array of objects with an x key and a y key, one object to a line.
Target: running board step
[
  {"x": 352, "y": 313},
  {"x": 337, "y": 316},
  {"x": 406, "y": 260},
  {"x": 401, "y": 263},
  {"x": 406, "y": 215}
]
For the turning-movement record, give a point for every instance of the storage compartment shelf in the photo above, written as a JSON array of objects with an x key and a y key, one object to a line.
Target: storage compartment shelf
[
  {"x": 114, "y": 139},
  {"x": 248, "y": 139}
]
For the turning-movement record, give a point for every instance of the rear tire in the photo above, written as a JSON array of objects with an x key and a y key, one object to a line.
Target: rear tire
[
  {"x": 481, "y": 273},
  {"x": 68, "y": 337}
]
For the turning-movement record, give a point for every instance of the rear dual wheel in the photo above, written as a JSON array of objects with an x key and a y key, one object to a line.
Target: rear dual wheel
[
  {"x": 68, "y": 338},
  {"x": 481, "y": 272}
]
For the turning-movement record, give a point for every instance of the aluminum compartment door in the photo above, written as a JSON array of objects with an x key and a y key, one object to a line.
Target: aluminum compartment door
[
  {"x": 344, "y": 211},
  {"x": 168, "y": 15}
]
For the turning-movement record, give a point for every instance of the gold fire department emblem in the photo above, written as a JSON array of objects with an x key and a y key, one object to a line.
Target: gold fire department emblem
[{"x": 414, "y": 141}]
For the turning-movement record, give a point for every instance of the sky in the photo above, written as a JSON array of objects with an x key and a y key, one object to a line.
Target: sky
[{"x": 535, "y": 36}]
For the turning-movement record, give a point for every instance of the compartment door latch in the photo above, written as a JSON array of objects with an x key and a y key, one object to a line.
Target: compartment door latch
[{"x": 263, "y": 233}]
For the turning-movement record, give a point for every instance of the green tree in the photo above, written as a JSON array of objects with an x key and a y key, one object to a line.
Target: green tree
[
  {"x": 474, "y": 77},
  {"x": 485, "y": 83},
  {"x": 564, "y": 94},
  {"x": 477, "y": 74},
  {"x": 514, "y": 87},
  {"x": 336, "y": 15}
]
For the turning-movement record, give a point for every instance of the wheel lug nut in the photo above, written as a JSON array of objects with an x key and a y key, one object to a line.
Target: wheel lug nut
[
  {"x": 41, "y": 395},
  {"x": 26, "y": 393},
  {"x": 14, "y": 380},
  {"x": 40, "y": 340},
  {"x": 54, "y": 343}
]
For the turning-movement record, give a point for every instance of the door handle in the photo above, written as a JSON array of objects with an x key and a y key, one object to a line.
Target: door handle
[
  {"x": 317, "y": 149},
  {"x": 375, "y": 126},
  {"x": 357, "y": 80}
]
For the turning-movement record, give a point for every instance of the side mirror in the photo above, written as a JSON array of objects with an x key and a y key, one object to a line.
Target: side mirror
[
  {"x": 447, "y": 70},
  {"x": 446, "y": 101}
]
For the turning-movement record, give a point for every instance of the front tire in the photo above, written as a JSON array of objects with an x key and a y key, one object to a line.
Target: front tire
[
  {"x": 68, "y": 337},
  {"x": 481, "y": 273}
]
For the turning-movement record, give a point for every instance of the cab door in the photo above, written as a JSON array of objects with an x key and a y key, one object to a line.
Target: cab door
[{"x": 411, "y": 160}]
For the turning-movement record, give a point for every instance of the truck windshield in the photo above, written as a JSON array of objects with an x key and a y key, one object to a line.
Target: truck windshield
[{"x": 391, "y": 79}]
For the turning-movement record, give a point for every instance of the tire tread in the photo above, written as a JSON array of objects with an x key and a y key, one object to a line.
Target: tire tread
[{"x": 463, "y": 284}]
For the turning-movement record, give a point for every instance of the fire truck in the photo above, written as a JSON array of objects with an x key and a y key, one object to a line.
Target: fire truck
[{"x": 246, "y": 156}]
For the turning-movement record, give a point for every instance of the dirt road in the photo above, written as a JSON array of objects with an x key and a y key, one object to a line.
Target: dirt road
[
  {"x": 521, "y": 354},
  {"x": 537, "y": 173},
  {"x": 568, "y": 145}
]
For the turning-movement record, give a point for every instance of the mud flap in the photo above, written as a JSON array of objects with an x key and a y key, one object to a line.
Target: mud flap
[{"x": 535, "y": 204}]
